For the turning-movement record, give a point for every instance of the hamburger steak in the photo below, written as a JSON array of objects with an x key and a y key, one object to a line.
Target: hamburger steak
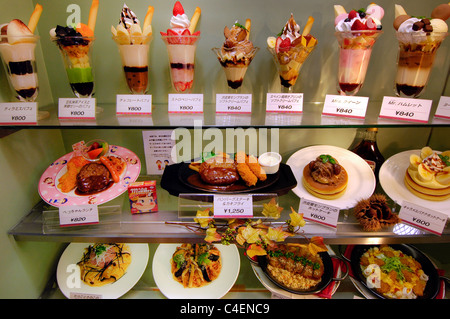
[
  {"x": 219, "y": 171},
  {"x": 93, "y": 177}
]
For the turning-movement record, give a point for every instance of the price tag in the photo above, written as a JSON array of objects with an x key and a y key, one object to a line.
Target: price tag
[
  {"x": 443, "y": 109},
  {"x": 18, "y": 113},
  {"x": 234, "y": 103},
  {"x": 185, "y": 103},
  {"x": 422, "y": 217},
  {"x": 280, "y": 102},
  {"x": 347, "y": 106},
  {"x": 82, "y": 295},
  {"x": 133, "y": 104},
  {"x": 405, "y": 109},
  {"x": 320, "y": 213},
  {"x": 233, "y": 206},
  {"x": 78, "y": 215},
  {"x": 76, "y": 108}
]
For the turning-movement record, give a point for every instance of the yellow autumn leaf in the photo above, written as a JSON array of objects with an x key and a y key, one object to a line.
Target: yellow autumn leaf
[
  {"x": 255, "y": 250},
  {"x": 212, "y": 235},
  {"x": 296, "y": 219},
  {"x": 316, "y": 245},
  {"x": 272, "y": 209},
  {"x": 202, "y": 220},
  {"x": 277, "y": 234},
  {"x": 249, "y": 234}
]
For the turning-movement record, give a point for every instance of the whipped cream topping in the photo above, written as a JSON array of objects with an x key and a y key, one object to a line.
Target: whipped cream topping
[
  {"x": 180, "y": 21},
  {"x": 434, "y": 163},
  {"x": 407, "y": 25},
  {"x": 291, "y": 30},
  {"x": 127, "y": 17}
]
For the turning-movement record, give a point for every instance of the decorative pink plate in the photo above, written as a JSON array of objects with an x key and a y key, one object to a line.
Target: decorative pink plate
[{"x": 50, "y": 193}]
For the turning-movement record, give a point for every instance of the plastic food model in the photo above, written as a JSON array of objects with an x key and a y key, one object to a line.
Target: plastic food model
[
  {"x": 290, "y": 49},
  {"x": 356, "y": 32},
  {"x": 236, "y": 53},
  {"x": 75, "y": 45},
  {"x": 418, "y": 39},
  {"x": 134, "y": 43},
  {"x": 181, "y": 42}
]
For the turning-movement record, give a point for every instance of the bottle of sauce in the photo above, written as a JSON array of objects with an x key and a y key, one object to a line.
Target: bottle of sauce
[{"x": 367, "y": 149}]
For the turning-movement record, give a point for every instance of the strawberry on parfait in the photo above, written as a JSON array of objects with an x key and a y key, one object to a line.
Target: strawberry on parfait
[{"x": 181, "y": 28}]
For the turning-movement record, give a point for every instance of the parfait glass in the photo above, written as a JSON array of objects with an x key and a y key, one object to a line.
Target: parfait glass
[
  {"x": 181, "y": 51},
  {"x": 76, "y": 52},
  {"x": 134, "y": 57},
  {"x": 289, "y": 63},
  {"x": 416, "y": 54},
  {"x": 355, "y": 49},
  {"x": 235, "y": 64}
]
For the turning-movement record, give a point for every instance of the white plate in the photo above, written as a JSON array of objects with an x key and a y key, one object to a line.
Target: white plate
[
  {"x": 392, "y": 175},
  {"x": 75, "y": 288},
  {"x": 361, "y": 179},
  {"x": 231, "y": 264}
]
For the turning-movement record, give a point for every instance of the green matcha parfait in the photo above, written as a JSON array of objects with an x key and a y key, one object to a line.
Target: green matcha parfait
[{"x": 76, "y": 52}]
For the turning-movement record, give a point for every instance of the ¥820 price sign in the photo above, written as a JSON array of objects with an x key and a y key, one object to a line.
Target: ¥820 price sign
[{"x": 233, "y": 206}]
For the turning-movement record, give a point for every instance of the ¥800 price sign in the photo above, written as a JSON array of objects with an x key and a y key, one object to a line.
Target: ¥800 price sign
[{"x": 233, "y": 206}]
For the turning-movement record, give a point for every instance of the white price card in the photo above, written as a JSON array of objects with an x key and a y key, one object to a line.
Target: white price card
[
  {"x": 347, "y": 106},
  {"x": 319, "y": 212},
  {"x": 78, "y": 215},
  {"x": 405, "y": 109},
  {"x": 234, "y": 103},
  {"x": 233, "y": 206},
  {"x": 443, "y": 109},
  {"x": 76, "y": 108},
  {"x": 423, "y": 218},
  {"x": 185, "y": 103},
  {"x": 284, "y": 102},
  {"x": 18, "y": 113},
  {"x": 133, "y": 104}
]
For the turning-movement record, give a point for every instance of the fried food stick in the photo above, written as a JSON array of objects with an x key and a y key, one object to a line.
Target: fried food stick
[
  {"x": 34, "y": 18},
  {"x": 244, "y": 170},
  {"x": 194, "y": 19},
  {"x": 93, "y": 15},
  {"x": 254, "y": 166}
]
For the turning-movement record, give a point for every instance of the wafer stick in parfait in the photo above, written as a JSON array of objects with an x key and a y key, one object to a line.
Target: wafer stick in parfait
[
  {"x": 34, "y": 18},
  {"x": 93, "y": 15},
  {"x": 194, "y": 19},
  {"x": 308, "y": 26},
  {"x": 248, "y": 26},
  {"x": 148, "y": 18}
]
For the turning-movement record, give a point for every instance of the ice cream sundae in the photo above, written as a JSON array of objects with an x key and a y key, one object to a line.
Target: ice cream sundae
[
  {"x": 75, "y": 45},
  {"x": 419, "y": 39},
  {"x": 181, "y": 41},
  {"x": 134, "y": 44},
  {"x": 236, "y": 53},
  {"x": 17, "y": 45},
  {"x": 290, "y": 49},
  {"x": 356, "y": 32}
]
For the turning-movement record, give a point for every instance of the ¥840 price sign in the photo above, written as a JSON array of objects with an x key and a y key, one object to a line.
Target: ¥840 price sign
[{"x": 233, "y": 206}]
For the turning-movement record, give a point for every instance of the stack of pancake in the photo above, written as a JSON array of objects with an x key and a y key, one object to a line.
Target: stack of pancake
[{"x": 428, "y": 175}]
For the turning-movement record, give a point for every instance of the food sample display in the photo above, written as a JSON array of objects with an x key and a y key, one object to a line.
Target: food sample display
[
  {"x": 392, "y": 273},
  {"x": 75, "y": 45},
  {"x": 418, "y": 39},
  {"x": 290, "y": 49},
  {"x": 103, "y": 264},
  {"x": 17, "y": 49},
  {"x": 428, "y": 175},
  {"x": 196, "y": 265},
  {"x": 181, "y": 42},
  {"x": 325, "y": 178},
  {"x": 236, "y": 53},
  {"x": 374, "y": 213},
  {"x": 134, "y": 43},
  {"x": 295, "y": 267},
  {"x": 356, "y": 32}
]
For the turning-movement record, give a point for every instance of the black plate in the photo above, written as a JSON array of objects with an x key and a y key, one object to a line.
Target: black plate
[
  {"x": 327, "y": 276},
  {"x": 432, "y": 287},
  {"x": 192, "y": 178}
]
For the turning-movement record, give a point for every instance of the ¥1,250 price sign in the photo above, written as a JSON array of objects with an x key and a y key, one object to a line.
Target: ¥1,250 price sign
[{"x": 233, "y": 206}]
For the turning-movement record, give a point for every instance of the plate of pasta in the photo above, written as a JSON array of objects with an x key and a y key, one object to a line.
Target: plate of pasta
[
  {"x": 195, "y": 271},
  {"x": 100, "y": 271}
]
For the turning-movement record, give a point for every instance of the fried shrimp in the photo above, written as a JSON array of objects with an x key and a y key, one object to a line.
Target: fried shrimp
[
  {"x": 244, "y": 170},
  {"x": 254, "y": 166}
]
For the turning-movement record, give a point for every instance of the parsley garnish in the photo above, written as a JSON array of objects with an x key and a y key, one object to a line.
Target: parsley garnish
[
  {"x": 237, "y": 24},
  {"x": 327, "y": 158}
]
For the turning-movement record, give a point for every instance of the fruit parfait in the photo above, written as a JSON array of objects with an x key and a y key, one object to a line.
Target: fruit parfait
[
  {"x": 181, "y": 42},
  {"x": 17, "y": 49},
  {"x": 356, "y": 32},
  {"x": 134, "y": 44},
  {"x": 418, "y": 39},
  {"x": 75, "y": 44},
  {"x": 290, "y": 49},
  {"x": 236, "y": 53}
]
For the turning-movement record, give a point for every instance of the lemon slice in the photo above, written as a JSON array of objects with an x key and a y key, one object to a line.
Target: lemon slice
[{"x": 271, "y": 42}]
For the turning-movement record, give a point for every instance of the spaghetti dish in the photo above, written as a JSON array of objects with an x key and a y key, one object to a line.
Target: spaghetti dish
[
  {"x": 102, "y": 264},
  {"x": 196, "y": 265},
  {"x": 392, "y": 273},
  {"x": 295, "y": 267}
]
